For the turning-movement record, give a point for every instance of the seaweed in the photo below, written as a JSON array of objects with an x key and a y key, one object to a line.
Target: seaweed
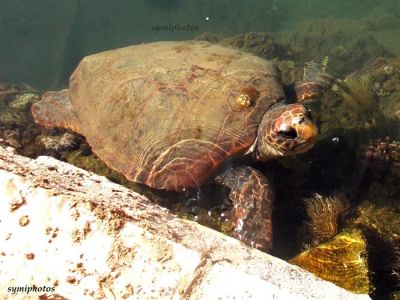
[
  {"x": 325, "y": 216},
  {"x": 357, "y": 93}
]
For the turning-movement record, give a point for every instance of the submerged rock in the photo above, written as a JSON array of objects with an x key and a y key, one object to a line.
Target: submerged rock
[
  {"x": 262, "y": 44},
  {"x": 347, "y": 45},
  {"x": 378, "y": 180},
  {"x": 385, "y": 73},
  {"x": 66, "y": 141},
  {"x": 366, "y": 99},
  {"x": 16, "y": 125},
  {"x": 15, "y": 109},
  {"x": 351, "y": 105},
  {"x": 7, "y": 90},
  {"x": 383, "y": 220},
  {"x": 343, "y": 261},
  {"x": 24, "y": 101},
  {"x": 380, "y": 220},
  {"x": 381, "y": 156}
]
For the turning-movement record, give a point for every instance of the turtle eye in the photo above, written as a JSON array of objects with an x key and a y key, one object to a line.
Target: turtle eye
[
  {"x": 309, "y": 114},
  {"x": 301, "y": 120},
  {"x": 288, "y": 133}
]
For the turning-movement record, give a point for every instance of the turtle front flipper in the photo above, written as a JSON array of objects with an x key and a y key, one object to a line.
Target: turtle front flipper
[
  {"x": 314, "y": 83},
  {"x": 252, "y": 198},
  {"x": 55, "y": 110}
]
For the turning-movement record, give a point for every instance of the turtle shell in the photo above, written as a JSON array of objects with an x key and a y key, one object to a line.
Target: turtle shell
[{"x": 167, "y": 114}]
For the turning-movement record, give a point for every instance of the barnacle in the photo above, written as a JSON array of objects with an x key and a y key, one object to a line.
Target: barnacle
[
  {"x": 248, "y": 96},
  {"x": 244, "y": 100}
]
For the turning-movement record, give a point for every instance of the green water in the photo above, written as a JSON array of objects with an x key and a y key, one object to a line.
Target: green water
[{"x": 42, "y": 41}]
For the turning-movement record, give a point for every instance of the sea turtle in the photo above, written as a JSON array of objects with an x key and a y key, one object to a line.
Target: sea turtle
[{"x": 171, "y": 115}]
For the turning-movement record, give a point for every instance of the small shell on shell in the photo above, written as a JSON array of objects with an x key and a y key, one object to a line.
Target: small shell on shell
[{"x": 244, "y": 100}]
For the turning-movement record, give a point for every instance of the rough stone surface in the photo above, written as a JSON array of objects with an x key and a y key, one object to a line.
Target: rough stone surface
[{"x": 64, "y": 228}]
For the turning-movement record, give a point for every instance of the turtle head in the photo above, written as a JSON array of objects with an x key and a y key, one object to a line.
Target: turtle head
[{"x": 285, "y": 130}]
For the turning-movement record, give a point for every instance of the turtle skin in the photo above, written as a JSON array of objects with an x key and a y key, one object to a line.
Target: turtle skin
[{"x": 169, "y": 114}]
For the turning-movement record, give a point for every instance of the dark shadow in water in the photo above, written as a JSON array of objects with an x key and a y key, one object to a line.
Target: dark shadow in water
[
  {"x": 328, "y": 168},
  {"x": 381, "y": 259}
]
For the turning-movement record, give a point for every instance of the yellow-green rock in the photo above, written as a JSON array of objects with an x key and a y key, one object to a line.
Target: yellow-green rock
[
  {"x": 342, "y": 261},
  {"x": 384, "y": 220}
]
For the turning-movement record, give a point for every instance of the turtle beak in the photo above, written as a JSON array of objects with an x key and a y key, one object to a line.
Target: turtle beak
[
  {"x": 308, "y": 132},
  {"x": 304, "y": 131}
]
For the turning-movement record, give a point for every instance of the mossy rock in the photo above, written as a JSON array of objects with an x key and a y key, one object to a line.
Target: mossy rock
[
  {"x": 381, "y": 218},
  {"x": 93, "y": 164},
  {"x": 260, "y": 43},
  {"x": 342, "y": 261},
  {"x": 347, "y": 45}
]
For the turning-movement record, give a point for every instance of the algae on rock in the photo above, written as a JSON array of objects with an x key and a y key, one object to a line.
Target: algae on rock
[{"x": 342, "y": 260}]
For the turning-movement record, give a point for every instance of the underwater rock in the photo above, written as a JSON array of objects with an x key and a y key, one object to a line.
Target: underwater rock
[
  {"x": 85, "y": 159},
  {"x": 351, "y": 104},
  {"x": 21, "y": 93},
  {"x": 395, "y": 295},
  {"x": 209, "y": 37},
  {"x": 11, "y": 117},
  {"x": 10, "y": 137},
  {"x": 211, "y": 219},
  {"x": 91, "y": 163},
  {"x": 356, "y": 91},
  {"x": 64, "y": 142},
  {"x": 7, "y": 90},
  {"x": 379, "y": 162},
  {"x": 396, "y": 265},
  {"x": 347, "y": 45},
  {"x": 380, "y": 221},
  {"x": 381, "y": 22},
  {"x": 342, "y": 260},
  {"x": 290, "y": 71},
  {"x": 18, "y": 130},
  {"x": 395, "y": 270},
  {"x": 16, "y": 124},
  {"x": 23, "y": 102},
  {"x": 382, "y": 154},
  {"x": 14, "y": 111},
  {"x": 383, "y": 220},
  {"x": 260, "y": 43},
  {"x": 366, "y": 100},
  {"x": 325, "y": 216},
  {"x": 385, "y": 73}
]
